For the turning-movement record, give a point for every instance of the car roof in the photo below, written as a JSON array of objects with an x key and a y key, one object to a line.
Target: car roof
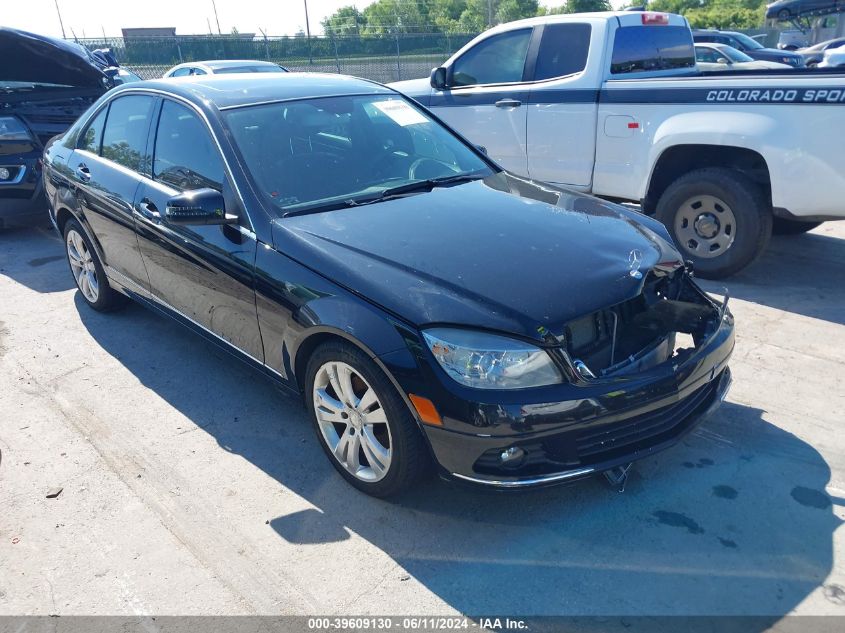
[
  {"x": 231, "y": 91},
  {"x": 229, "y": 63}
]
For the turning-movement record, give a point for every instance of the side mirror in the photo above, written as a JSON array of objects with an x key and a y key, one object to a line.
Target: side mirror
[
  {"x": 438, "y": 78},
  {"x": 723, "y": 60},
  {"x": 481, "y": 149},
  {"x": 201, "y": 206}
]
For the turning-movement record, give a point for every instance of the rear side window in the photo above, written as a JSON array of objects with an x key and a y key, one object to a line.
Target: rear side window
[
  {"x": 125, "y": 134},
  {"x": 707, "y": 55},
  {"x": 497, "y": 60},
  {"x": 638, "y": 49},
  {"x": 185, "y": 157},
  {"x": 563, "y": 50},
  {"x": 93, "y": 135}
]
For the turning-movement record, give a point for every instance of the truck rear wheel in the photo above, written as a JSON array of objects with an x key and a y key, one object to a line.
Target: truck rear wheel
[{"x": 719, "y": 219}]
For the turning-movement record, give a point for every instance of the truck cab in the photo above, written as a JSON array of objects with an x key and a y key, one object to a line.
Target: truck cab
[
  {"x": 613, "y": 104},
  {"x": 535, "y": 84}
]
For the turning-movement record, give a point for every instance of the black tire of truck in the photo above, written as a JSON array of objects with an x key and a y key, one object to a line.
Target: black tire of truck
[
  {"x": 729, "y": 194},
  {"x": 785, "y": 226}
]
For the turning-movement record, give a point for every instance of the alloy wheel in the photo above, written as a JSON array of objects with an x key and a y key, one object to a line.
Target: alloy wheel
[
  {"x": 82, "y": 266},
  {"x": 352, "y": 421},
  {"x": 705, "y": 226}
]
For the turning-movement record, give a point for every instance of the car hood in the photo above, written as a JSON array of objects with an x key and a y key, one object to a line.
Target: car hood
[
  {"x": 39, "y": 59},
  {"x": 774, "y": 53},
  {"x": 503, "y": 253},
  {"x": 418, "y": 89},
  {"x": 761, "y": 64}
]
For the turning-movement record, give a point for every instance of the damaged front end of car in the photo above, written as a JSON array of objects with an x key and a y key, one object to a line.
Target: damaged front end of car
[
  {"x": 668, "y": 320},
  {"x": 639, "y": 376},
  {"x": 45, "y": 85}
]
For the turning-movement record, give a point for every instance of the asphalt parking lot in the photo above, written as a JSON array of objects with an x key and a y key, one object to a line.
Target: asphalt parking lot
[{"x": 192, "y": 486}]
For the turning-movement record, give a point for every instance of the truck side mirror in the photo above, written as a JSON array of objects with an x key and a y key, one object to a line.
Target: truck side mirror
[{"x": 438, "y": 78}]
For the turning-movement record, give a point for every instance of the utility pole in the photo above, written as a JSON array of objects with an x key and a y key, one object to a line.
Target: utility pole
[
  {"x": 216, "y": 19},
  {"x": 308, "y": 33},
  {"x": 61, "y": 23},
  {"x": 489, "y": 13}
]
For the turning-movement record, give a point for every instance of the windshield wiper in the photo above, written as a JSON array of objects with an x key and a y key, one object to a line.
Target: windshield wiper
[
  {"x": 388, "y": 194},
  {"x": 428, "y": 184}
]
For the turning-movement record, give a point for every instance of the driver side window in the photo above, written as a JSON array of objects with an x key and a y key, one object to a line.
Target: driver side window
[
  {"x": 496, "y": 60},
  {"x": 185, "y": 157},
  {"x": 707, "y": 55}
]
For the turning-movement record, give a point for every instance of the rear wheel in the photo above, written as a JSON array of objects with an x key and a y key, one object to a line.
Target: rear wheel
[
  {"x": 87, "y": 270},
  {"x": 719, "y": 218},
  {"x": 364, "y": 427},
  {"x": 784, "y": 15},
  {"x": 784, "y": 226}
]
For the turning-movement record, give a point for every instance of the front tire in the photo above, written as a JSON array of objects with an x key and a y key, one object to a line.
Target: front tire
[
  {"x": 784, "y": 226},
  {"x": 719, "y": 218},
  {"x": 362, "y": 423},
  {"x": 88, "y": 272}
]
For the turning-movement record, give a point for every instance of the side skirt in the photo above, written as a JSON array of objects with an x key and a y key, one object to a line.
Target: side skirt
[{"x": 148, "y": 300}]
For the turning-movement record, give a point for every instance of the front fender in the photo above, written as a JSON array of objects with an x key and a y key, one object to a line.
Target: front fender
[{"x": 296, "y": 304}]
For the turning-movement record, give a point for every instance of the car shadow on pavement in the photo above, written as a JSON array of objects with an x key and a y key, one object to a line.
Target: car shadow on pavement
[
  {"x": 803, "y": 274},
  {"x": 733, "y": 520},
  {"x": 35, "y": 257}
]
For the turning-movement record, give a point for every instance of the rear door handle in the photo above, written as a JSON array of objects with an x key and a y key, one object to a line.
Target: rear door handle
[
  {"x": 147, "y": 210},
  {"x": 83, "y": 173},
  {"x": 508, "y": 103}
]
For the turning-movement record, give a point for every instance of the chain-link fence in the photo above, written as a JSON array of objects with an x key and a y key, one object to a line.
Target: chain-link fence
[{"x": 383, "y": 58}]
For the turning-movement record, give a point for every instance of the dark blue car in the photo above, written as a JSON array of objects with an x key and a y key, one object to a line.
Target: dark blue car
[
  {"x": 749, "y": 46},
  {"x": 429, "y": 307}
]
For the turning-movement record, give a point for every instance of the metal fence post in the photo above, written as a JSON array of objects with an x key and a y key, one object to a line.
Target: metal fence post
[{"x": 398, "y": 59}]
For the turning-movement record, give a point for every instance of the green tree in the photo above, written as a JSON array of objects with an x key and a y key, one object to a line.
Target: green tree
[
  {"x": 720, "y": 14},
  {"x": 581, "y": 6},
  {"x": 388, "y": 16},
  {"x": 510, "y": 10},
  {"x": 345, "y": 21},
  {"x": 447, "y": 16}
]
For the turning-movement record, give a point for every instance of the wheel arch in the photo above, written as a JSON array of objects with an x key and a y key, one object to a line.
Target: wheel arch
[
  {"x": 313, "y": 338},
  {"x": 678, "y": 160}
]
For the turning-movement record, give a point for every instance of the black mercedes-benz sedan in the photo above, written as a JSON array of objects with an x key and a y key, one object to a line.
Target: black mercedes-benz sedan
[{"x": 432, "y": 309}]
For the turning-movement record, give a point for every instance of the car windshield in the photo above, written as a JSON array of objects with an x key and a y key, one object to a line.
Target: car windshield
[
  {"x": 734, "y": 55},
  {"x": 748, "y": 42},
  {"x": 311, "y": 154}
]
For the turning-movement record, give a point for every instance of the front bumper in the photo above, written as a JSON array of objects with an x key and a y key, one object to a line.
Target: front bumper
[
  {"x": 600, "y": 446},
  {"x": 565, "y": 432},
  {"x": 22, "y": 199}
]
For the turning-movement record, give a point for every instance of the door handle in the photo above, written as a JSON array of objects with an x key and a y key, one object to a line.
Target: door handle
[
  {"x": 83, "y": 173},
  {"x": 147, "y": 210},
  {"x": 508, "y": 103}
]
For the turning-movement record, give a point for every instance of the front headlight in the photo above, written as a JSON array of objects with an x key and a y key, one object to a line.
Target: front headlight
[
  {"x": 487, "y": 361},
  {"x": 12, "y": 129}
]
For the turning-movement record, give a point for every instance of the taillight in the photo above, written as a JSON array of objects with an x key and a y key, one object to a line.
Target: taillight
[{"x": 655, "y": 19}]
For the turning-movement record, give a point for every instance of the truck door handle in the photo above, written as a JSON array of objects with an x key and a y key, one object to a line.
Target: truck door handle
[
  {"x": 508, "y": 103},
  {"x": 148, "y": 210},
  {"x": 83, "y": 173}
]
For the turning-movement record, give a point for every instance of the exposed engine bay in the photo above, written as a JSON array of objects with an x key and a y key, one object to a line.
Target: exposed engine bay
[{"x": 667, "y": 320}]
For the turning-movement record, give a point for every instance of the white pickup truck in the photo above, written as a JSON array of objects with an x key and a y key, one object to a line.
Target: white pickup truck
[{"x": 612, "y": 103}]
